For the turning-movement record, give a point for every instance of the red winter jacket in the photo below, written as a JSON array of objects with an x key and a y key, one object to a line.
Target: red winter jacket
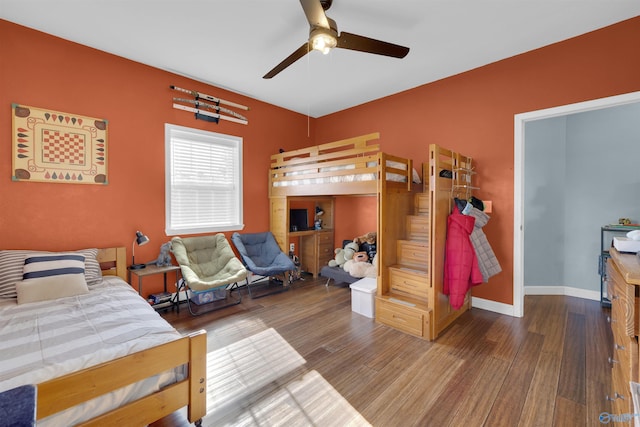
[{"x": 461, "y": 270}]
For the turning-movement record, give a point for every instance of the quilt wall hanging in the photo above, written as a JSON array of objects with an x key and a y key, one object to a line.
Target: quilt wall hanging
[{"x": 50, "y": 146}]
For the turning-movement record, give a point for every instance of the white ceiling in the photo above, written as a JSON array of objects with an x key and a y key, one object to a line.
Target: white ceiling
[{"x": 232, "y": 43}]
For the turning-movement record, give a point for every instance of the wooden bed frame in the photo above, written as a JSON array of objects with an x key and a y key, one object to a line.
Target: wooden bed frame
[
  {"x": 394, "y": 199},
  {"x": 395, "y": 202},
  {"x": 358, "y": 151},
  {"x": 75, "y": 388}
]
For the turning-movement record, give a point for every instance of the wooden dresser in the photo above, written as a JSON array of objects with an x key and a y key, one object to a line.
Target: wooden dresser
[{"x": 623, "y": 285}]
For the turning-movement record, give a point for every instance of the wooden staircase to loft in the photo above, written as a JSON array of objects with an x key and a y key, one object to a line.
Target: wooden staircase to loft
[
  {"x": 405, "y": 304},
  {"x": 410, "y": 294}
]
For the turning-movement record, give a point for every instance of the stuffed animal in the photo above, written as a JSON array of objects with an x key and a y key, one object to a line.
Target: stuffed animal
[
  {"x": 350, "y": 250},
  {"x": 360, "y": 257},
  {"x": 369, "y": 238},
  {"x": 362, "y": 269},
  {"x": 164, "y": 258},
  {"x": 367, "y": 243},
  {"x": 338, "y": 260}
]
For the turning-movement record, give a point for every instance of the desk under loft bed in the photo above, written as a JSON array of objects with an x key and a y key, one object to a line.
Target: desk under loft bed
[{"x": 356, "y": 166}]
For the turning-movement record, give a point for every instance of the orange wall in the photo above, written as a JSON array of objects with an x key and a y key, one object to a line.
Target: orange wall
[
  {"x": 474, "y": 113},
  {"x": 356, "y": 216},
  {"x": 471, "y": 112},
  {"x": 40, "y": 70}
]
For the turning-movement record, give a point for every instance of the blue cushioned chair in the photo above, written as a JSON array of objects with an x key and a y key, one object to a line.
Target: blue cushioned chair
[{"x": 262, "y": 256}]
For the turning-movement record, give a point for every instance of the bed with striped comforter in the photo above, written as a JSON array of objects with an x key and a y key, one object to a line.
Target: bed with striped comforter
[{"x": 43, "y": 340}]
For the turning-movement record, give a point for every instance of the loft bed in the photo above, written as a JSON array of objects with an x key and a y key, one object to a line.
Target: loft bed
[
  {"x": 353, "y": 166},
  {"x": 357, "y": 166},
  {"x": 104, "y": 357},
  {"x": 347, "y": 167}
]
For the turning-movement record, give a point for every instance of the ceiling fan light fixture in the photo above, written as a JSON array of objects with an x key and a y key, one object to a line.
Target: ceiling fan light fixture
[
  {"x": 323, "y": 42},
  {"x": 323, "y": 36}
]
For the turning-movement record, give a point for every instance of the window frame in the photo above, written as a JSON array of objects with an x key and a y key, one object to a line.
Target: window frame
[{"x": 199, "y": 136}]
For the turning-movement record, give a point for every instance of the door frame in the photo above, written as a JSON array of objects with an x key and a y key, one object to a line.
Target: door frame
[{"x": 520, "y": 121}]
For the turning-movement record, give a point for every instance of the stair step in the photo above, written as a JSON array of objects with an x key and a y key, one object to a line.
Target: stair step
[
  {"x": 418, "y": 238},
  {"x": 418, "y": 227},
  {"x": 413, "y": 253},
  {"x": 410, "y": 269},
  {"x": 421, "y": 203}
]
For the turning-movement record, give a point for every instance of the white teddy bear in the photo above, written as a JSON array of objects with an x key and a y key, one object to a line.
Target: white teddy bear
[
  {"x": 338, "y": 260},
  {"x": 349, "y": 251},
  {"x": 362, "y": 268}
]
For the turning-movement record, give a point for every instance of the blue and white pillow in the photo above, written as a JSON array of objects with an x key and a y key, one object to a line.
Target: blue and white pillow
[
  {"x": 12, "y": 263},
  {"x": 51, "y": 276}
]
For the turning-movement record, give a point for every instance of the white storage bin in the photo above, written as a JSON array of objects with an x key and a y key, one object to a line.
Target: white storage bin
[
  {"x": 624, "y": 244},
  {"x": 363, "y": 296}
]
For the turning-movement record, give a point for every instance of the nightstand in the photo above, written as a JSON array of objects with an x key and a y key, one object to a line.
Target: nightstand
[{"x": 150, "y": 270}]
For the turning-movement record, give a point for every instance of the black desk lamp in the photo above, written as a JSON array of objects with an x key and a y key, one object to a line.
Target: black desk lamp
[{"x": 140, "y": 239}]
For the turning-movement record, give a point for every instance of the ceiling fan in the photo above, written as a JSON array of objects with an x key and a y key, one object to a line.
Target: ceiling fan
[{"x": 323, "y": 36}]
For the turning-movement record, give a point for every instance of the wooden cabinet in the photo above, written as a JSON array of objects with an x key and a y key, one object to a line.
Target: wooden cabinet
[
  {"x": 622, "y": 281},
  {"x": 316, "y": 249},
  {"x": 325, "y": 249}
]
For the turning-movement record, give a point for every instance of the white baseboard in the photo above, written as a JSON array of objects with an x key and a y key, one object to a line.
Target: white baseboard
[
  {"x": 562, "y": 290},
  {"x": 496, "y": 307},
  {"x": 501, "y": 308}
]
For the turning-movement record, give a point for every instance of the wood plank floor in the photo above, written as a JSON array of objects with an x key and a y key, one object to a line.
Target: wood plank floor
[{"x": 546, "y": 369}]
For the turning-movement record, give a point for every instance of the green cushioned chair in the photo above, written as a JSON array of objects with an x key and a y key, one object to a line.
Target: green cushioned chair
[{"x": 210, "y": 272}]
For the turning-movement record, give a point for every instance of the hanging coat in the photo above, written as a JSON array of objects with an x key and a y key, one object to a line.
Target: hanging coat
[
  {"x": 487, "y": 261},
  {"x": 461, "y": 270}
]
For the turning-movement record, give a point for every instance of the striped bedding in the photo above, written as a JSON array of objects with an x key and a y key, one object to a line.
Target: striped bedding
[
  {"x": 43, "y": 340},
  {"x": 345, "y": 178}
]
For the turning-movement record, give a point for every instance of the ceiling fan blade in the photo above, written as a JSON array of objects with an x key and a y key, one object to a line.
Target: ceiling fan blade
[
  {"x": 315, "y": 13},
  {"x": 365, "y": 44},
  {"x": 302, "y": 51}
]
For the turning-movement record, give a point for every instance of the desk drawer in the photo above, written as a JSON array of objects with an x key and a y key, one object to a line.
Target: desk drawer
[
  {"x": 325, "y": 238},
  {"x": 325, "y": 253}
]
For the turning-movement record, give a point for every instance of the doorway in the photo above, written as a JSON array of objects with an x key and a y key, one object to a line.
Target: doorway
[{"x": 519, "y": 162}]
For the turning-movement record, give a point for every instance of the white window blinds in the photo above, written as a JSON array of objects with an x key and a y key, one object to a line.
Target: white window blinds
[{"x": 203, "y": 181}]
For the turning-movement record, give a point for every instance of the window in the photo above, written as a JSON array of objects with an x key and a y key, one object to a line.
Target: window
[{"x": 203, "y": 181}]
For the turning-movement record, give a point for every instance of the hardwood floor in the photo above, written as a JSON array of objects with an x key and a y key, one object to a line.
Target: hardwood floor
[{"x": 549, "y": 368}]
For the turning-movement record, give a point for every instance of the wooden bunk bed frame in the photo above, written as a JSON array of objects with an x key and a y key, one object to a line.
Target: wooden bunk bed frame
[
  {"x": 327, "y": 161},
  {"x": 77, "y": 387},
  {"x": 312, "y": 163},
  {"x": 395, "y": 202}
]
